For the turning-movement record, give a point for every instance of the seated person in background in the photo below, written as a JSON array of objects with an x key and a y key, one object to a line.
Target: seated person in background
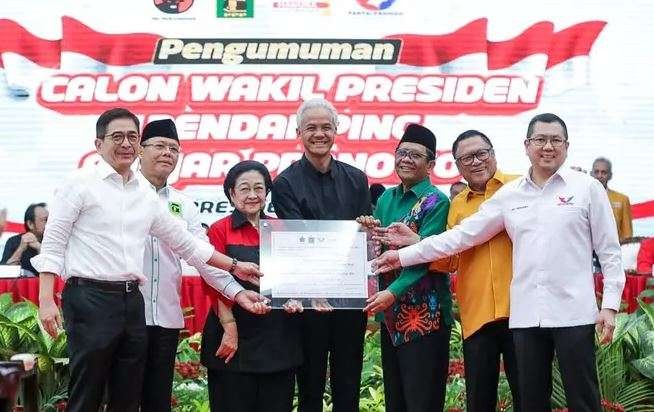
[
  {"x": 251, "y": 369},
  {"x": 456, "y": 188},
  {"x": 645, "y": 259},
  {"x": 21, "y": 248}
]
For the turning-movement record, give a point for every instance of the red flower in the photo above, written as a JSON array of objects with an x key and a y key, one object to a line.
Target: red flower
[
  {"x": 61, "y": 406},
  {"x": 612, "y": 406},
  {"x": 456, "y": 368},
  {"x": 195, "y": 346},
  {"x": 173, "y": 401},
  {"x": 188, "y": 370}
]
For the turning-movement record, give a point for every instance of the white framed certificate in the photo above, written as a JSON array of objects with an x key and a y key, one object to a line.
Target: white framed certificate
[{"x": 316, "y": 262}]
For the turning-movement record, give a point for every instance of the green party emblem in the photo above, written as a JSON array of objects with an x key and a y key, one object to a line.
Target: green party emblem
[{"x": 175, "y": 208}]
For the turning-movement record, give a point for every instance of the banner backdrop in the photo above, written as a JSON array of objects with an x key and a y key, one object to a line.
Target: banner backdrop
[{"x": 232, "y": 73}]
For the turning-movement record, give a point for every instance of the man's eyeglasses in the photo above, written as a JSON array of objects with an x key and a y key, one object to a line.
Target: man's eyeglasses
[
  {"x": 160, "y": 147},
  {"x": 402, "y": 153},
  {"x": 481, "y": 155},
  {"x": 119, "y": 137},
  {"x": 542, "y": 141}
]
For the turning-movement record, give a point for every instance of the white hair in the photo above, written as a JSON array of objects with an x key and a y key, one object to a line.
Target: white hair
[{"x": 317, "y": 103}]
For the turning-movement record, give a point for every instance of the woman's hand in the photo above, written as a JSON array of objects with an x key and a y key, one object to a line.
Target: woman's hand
[{"x": 229, "y": 343}]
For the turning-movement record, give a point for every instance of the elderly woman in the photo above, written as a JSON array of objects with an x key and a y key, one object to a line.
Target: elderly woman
[{"x": 252, "y": 369}]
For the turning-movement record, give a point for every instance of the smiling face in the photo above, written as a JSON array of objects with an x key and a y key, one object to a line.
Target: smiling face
[
  {"x": 317, "y": 132},
  {"x": 249, "y": 193},
  {"x": 159, "y": 157},
  {"x": 549, "y": 157},
  {"x": 479, "y": 172},
  {"x": 121, "y": 155},
  {"x": 412, "y": 163}
]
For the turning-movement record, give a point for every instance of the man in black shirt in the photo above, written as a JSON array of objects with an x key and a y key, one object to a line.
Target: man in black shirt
[
  {"x": 322, "y": 188},
  {"x": 21, "y": 248}
]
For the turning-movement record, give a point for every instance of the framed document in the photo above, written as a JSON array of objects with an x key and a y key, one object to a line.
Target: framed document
[{"x": 319, "y": 263}]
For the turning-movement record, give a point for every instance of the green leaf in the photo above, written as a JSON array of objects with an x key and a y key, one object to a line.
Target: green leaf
[
  {"x": 645, "y": 366},
  {"x": 648, "y": 309},
  {"x": 6, "y": 299}
]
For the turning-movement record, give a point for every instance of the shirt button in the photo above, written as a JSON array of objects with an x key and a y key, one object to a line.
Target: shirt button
[{"x": 155, "y": 259}]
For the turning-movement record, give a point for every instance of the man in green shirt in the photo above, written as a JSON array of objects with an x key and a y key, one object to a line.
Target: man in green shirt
[{"x": 416, "y": 308}]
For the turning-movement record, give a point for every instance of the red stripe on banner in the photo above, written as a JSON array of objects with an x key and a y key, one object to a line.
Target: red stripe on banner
[
  {"x": 577, "y": 40},
  {"x": 574, "y": 41},
  {"x": 16, "y": 39},
  {"x": 421, "y": 50},
  {"x": 641, "y": 210},
  {"x": 112, "y": 49},
  {"x": 14, "y": 227},
  {"x": 536, "y": 39}
]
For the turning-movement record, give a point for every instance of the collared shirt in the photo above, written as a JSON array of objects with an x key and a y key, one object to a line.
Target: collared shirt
[
  {"x": 622, "y": 212},
  {"x": 427, "y": 299},
  {"x": 484, "y": 271},
  {"x": 163, "y": 270},
  {"x": 554, "y": 230},
  {"x": 98, "y": 226},
  {"x": 303, "y": 192},
  {"x": 267, "y": 343}
]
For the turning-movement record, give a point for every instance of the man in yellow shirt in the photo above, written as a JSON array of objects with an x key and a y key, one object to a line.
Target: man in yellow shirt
[
  {"x": 484, "y": 277},
  {"x": 602, "y": 171}
]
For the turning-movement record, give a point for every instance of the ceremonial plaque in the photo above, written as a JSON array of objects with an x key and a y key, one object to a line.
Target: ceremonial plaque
[{"x": 319, "y": 263}]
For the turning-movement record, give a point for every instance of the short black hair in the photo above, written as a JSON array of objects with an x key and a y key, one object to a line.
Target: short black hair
[
  {"x": 243, "y": 167},
  {"x": 605, "y": 161},
  {"x": 111, "y": 115},
  {"x": 29, "y": 214},
  {"x": 546, "y": 118},
  {"x": 467, "y": 135}
]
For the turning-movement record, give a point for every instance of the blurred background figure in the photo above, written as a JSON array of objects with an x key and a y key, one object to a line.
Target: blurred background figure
[
  {"x": 603, "y": 171},
  {"x": 456, "y": 188},
  {"x": 20, "y": 248}
]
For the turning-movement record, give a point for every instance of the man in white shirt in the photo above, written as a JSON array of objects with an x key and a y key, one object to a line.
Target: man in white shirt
[
  {"x": 555, "y": 217},
  {"x": 95, "y": 238},
  {"x": 162, "y": 268}
]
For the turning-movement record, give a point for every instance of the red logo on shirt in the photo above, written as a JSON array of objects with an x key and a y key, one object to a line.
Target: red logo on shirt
[{"x": 563, "y": 201}]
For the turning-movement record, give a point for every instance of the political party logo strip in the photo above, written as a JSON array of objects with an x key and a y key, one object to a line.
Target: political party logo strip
[
  {"x": 173, "y": 6},
  {"x": 235, "y": 8}
]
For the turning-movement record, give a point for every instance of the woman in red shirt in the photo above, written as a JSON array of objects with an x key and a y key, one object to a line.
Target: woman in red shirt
[{"x": 251, "y": 369}]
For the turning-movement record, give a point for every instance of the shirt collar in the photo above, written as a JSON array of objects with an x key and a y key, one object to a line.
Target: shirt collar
[
  {"x": 104, "y": 170},
  {"x": 239, "y": 219},
  {"x": 143, "y": 180},
  {"x": 498, "y": 177},
  {"x": 308, "y": 167},
  {"x": 564, "y": 173},
  {"x": 419, "y": 189}
]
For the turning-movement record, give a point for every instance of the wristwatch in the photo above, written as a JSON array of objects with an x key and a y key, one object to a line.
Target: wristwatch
[{"x": 233, "y": 267}]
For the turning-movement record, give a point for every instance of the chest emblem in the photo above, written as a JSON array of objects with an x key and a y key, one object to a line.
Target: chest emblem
[
  {"x": 565, "y": 201},
  {"x": 175, "y": 208}
]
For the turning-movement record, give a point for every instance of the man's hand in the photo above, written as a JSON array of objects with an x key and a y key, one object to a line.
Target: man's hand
[
  {"x": 248, "y": 272},
  {"x": 397, "y": 235},
  {"x": 388, "y": 261},
  {"x": 50, "y": 316},
  {"x": 379, "y": 302},
  {"x": 27, "y": 239},
  {"x": 252, "y": 302},
  {"x": 605, "y": 325},
  {"x": 293, "y": 306},
  {"x": 229, "y": 342},
  {"x": 368, "y": 222}
]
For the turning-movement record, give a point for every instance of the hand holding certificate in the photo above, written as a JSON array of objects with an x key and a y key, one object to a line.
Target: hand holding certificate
[{"x": 322, "y": 264}]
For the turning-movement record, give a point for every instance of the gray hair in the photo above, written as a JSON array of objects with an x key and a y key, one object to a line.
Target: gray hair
[
  {"x": 605, "y": 160},
  {"x": 317, "y": 103}
]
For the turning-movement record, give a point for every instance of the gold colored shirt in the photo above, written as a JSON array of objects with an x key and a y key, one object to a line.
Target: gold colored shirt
[
  {"x": 485, "y": 271},
  {"x": 622, "y": 212}
]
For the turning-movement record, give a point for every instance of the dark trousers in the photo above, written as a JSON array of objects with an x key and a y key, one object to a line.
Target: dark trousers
[
  {"x": 415, "y": 373},
  {"x": 251, "y": 392},
  {"x": 338, "y": 334},
  {"x": 481, "y": 352},
  {"x": 106, "y": 345},
  {"x": 575, "y": 350},
  {"x": 159, "y": 369}
]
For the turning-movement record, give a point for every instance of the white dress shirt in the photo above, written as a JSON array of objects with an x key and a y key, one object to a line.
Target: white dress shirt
[
  {"x": 98, "y": 226},
  {"x": 163, "y": 269},
  {"x": 554, "y": 230}
]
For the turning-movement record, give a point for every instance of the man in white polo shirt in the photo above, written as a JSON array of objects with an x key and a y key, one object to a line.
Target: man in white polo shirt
[{"x": 555, "y": 217}]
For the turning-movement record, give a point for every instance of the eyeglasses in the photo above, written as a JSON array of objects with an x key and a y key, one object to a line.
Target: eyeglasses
[
  {"x": 160, "y": 147},
  {"x": 402, "y": 153},
  {"x": 541, "y": 141},
  {"x": 119, "y": 137},
  {"x": 481, "y": 155}
]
